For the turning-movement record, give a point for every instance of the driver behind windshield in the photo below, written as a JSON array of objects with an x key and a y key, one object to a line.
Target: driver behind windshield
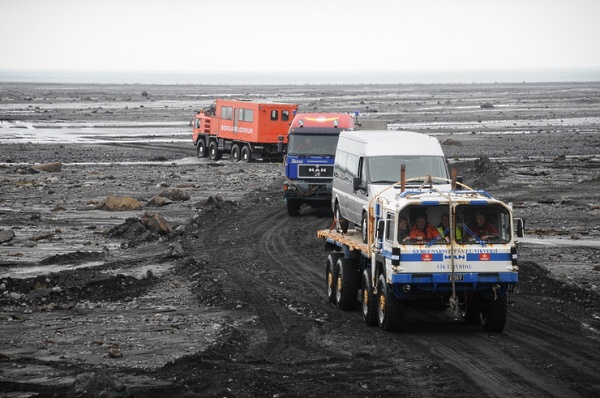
[{"x": 482, "y": 228}]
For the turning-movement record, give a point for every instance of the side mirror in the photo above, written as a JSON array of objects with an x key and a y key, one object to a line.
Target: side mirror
[
  {"x": 520, "y": 227},
  {"x": 356, "y": 183}
]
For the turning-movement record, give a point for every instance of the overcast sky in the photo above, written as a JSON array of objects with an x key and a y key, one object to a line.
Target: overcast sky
[{"x": 303, "y": 35}]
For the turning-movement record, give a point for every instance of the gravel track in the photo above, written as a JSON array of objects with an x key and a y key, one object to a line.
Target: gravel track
[{"x": 232, "y": 303}]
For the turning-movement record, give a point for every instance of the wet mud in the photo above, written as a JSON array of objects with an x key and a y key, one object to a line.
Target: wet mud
[{"x": 231, "y": 302}]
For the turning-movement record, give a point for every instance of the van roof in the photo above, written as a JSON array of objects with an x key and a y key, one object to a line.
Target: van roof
[{"x": 393, "y": 142}]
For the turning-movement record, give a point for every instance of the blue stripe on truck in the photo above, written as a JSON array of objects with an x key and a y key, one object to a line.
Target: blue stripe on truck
[
  {"x": 472, "y": 277},
  {"x": 419, "y": 257},
  {"x": 489, "y": 257},
  {"x": 415, "y": 257}
]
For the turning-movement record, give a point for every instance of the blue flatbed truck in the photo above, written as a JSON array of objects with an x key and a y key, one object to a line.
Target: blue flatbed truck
[{"x": 312, "y": 141}]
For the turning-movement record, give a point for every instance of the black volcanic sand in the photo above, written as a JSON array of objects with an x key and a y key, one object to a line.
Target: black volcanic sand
[{"x": 232, "y": 302}]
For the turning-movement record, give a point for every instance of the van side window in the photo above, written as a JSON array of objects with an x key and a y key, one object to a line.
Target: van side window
[
  {"x": 352, "y": 165},
  {"x": 285, "y": 116},
  {"x": 341, "y": 159},
  {"x": 274, "y": 114}
]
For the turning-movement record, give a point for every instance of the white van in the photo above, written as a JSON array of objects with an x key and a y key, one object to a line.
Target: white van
[{"x": 367, "y": 162}]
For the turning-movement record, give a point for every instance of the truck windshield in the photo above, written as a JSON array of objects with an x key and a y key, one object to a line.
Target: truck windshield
[
  {"x": 312, "y": 144},
  {"x": 477, "y": 225},
  {"x": 386, "y": 169}
]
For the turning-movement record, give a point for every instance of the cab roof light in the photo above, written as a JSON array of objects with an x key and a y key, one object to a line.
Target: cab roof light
[
  {"x": 301, "y": 123},
  {"x": 480, "y": 202},
  {"x": 335, "y": 122}
]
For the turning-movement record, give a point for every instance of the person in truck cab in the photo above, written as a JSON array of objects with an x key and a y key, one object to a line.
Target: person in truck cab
[
  {"x": 403, "y": 229},
  {"x": 444, "y": 229},
  {"x": 422, "y": 230},
  {"x": 482, "y": 228}
]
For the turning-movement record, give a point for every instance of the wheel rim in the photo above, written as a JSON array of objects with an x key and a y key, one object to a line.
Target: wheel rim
[
  {"x": 329, "y": 283},
  {"x": 483, "y": 317},
  {"x": 338, "y": 225},
  {"x": 365, "y": 301},
  {"x": 201, "y": 150},
  {"x": 338, "y": 290},
  {"x": 245, "y": 154},
  {"x": 364, "y": 231},
  {"x": 381, "y": 308}
]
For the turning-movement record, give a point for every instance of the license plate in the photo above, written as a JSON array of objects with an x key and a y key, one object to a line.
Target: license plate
[{"x": 455, "y": 277}]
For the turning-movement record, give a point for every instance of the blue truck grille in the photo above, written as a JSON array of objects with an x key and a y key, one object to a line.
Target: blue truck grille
[{"x": 315, "y": 171}]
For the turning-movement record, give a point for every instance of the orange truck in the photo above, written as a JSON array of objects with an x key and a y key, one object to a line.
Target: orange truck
[{"x": 244, "y": 130}]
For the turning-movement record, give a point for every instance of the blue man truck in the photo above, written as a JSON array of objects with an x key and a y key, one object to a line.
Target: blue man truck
[
  {"x": 460, "y": 268},
  {"x": 312, "y": 142}
]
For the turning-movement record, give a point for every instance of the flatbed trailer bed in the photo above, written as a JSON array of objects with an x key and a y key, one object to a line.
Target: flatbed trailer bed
[{"x": 351, "y": 239}]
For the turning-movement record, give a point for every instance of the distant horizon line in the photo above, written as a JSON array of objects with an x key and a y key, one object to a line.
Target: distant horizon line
[{"x": 369, "y": 77}]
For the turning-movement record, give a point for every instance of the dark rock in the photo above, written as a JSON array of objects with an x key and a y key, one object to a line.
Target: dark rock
[
  {"x": 216, "y": 202},
  {"x": 6, "y": 236},
  {"x": 451, "y": 142},
  {"x": 175, "y": 194},
  {"x": 130, "y": 229},
  {"x": 176, "y": 250},
  {"x": 158, "y": 201},
  {"x": 27, "y": 170},
  {"x": 155, "y": 222},
  {"x": 99, "y": 385},
  {"x": 55, "y": 167},
  {"x": 113, "y": 203}
]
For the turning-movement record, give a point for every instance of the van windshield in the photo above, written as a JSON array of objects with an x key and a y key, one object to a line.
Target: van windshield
[
  {"x": 386, "y": 169},
  {"x": 312, "y": 144}
]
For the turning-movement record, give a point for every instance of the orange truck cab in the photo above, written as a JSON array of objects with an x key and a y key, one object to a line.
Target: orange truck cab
[{"x": 245, "y": 130}]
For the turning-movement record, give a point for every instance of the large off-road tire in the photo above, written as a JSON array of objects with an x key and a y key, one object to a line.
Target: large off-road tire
[
  {"x": 236, "y": 153},
  {"x": 493, "y": 316},
  {"x": 213, "y": 151},
  {"x": 470, "y": 311},
  {"x": 331, "y": 275},
  {"x": 201, "y": 149},
  {"x": 246, "y": 156},
  {"x": 364, "y": 227},
  {"x": 389, "y": 308},
  {"x": 346, "y": 289},
  {"x": 369, "y": 300},
  {"x": 341, "y": 225},
  {"x": 293, "y": 207}
]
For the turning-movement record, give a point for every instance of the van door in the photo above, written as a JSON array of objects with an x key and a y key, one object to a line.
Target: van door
[{"x": 361, "y": 196}]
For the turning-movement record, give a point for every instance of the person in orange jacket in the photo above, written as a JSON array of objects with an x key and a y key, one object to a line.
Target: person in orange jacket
[
  {"x": 483, "y": 228},
  {"x": 422, "y": 230}
]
